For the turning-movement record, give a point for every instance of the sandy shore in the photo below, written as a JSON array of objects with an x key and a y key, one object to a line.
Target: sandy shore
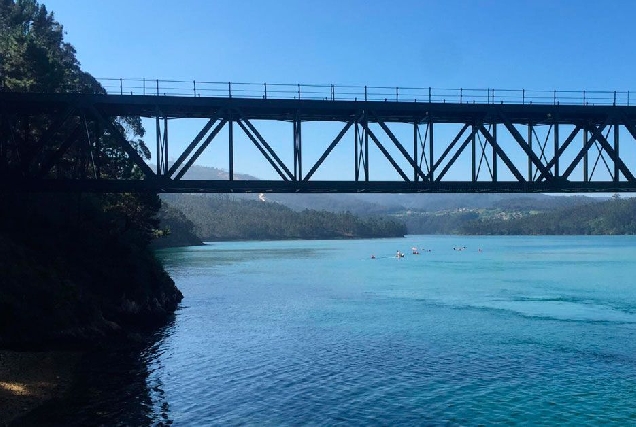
[{"x": 28, "y": 379}]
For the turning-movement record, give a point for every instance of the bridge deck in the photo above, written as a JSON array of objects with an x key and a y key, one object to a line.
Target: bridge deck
[
  {"x": 526, "y": 162},
  {"x": 308, "y": 109}
]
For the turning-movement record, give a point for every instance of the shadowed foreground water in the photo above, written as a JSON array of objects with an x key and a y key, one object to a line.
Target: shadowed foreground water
[{"x": 537, "y": 330}]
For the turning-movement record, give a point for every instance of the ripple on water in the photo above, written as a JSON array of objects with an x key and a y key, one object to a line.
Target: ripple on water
[{"x": 315, "y": 334}]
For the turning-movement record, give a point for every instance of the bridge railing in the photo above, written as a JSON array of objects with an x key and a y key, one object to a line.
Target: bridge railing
[{"x": 160, "y": 87}]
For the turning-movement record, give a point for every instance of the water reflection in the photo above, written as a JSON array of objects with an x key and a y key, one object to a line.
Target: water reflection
[{"x": 112, "y": 388}]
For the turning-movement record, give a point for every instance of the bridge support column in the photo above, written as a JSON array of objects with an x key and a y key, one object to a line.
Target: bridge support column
[
  {"x": 430, "y": 150},
  {"x": 361, "y": 150},
  {"x": 165, "y": 146},
  {"x": 556, "y": 150},
  {"x": 158, "y": 135},
  {"x": 230, "y": 133},
  {"x": 474, "y": 153},
  {"x": 416, "y": 132},
  {"x": 494, "y": 153},
  {"x": 298, "y": 157},
  {"x": 585, "y": 156},
  {"x": 616, "y": 166},
  {"x": 366, "y": 151},
  {"x": 356, "y": 158},
  {"x": 530, "y": 138},
  {"x": 162, "y": 145}
]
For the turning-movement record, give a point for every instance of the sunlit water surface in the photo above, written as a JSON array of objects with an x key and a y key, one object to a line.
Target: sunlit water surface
[{"x": 529, "y": 330}]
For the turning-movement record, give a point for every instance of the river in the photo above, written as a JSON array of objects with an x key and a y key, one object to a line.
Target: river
[{"x": 515, "y": 330}]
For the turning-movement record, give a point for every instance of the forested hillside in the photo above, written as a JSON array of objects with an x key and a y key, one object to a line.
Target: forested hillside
[
  {"x": 615, "y": 216},
  {"x": 503, "y": 211},
  {"x": 396, "y": 204},
  {"x": 74, "y": 268},
  {"x": 175, "y": 229},
  {"x": 221, "y": 217}
]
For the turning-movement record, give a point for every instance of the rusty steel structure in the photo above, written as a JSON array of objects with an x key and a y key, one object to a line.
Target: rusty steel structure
[{"x": 511, "y": 145}]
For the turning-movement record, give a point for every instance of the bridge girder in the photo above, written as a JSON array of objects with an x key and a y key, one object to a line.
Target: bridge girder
[{"x": 81, "y": 129}]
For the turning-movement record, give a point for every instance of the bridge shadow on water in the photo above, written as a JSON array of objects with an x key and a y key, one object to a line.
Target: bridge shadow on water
[{"x": 111, "y": 387}]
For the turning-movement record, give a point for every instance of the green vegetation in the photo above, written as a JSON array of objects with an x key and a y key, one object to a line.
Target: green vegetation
[
  {"x": 578, "y": 216},
  {"x": 514, "y": 215},
  {"x": 441, "y": 222},
  {"x": 225, "y": 218},
  {"x": 615, "y": 216},
  {"x": 240, "y": 218},
  {"x": 75, "y": 268},
  {"x": 176, "y": 229}
]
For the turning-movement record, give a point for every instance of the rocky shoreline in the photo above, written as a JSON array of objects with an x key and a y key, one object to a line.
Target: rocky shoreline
[
  {"x": 76, "y": 294},
  {"x": 70, "y": 284}
]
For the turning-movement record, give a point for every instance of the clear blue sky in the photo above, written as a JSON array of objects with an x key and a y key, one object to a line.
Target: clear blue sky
[
  {"x": 566, "y": 45},
  {"x": 575, "y": 44}
]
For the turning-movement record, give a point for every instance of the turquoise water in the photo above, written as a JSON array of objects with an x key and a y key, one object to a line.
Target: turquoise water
[{"x": 529, "y": 330}]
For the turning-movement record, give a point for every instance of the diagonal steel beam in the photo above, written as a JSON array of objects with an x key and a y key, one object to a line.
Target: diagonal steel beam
[
  {"x": 386, "y": 153},
  {"x": 524, "y": 145},
  {"x": 329, "y": 149},
  {"x": 542, "y": 146},
  {"x": 201, "y": 148},
  {"x": 49, "y": 161},
  {"x": 449, "y": 148},
  {"x": 545, "y": 142},
  {"x": 610, "y": 151},
  {"x": 361, "y": 148},
  {"x": 192, "y": 145},
  {"x": 399, "y": 146},
  {"x": 418, "y": 136},
  {"x": 501, "y": 153},
  {"x": 261, "y": 149},
  {"x": 585, "y": 149},
  {"x": 456, "y": 155},
  {"x": 55, "y": 126},
  {"x": 483, "y": 157},
  {"x": 600, "y": 156},
  {"x": 267, "y": 146},
  {"x": 562, "y": 148},
  {"x": 629, "y": 126},
  {"x": 124, "y": 144}
]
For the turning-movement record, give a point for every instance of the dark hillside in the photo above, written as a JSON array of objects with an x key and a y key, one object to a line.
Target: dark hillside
[
  {"x": 227, "y": 218},
  {"x": 75, "y": 269},
  {"x": 175, "y": 229}
]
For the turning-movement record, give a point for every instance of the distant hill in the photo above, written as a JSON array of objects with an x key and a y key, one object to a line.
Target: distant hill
[
  {"x": 384, "y": 204},
  {"x": 610, "y": 217},
  {"x": 224, "y": 217},
  {"x": 206, "y": 172},
  {"x": 420, "y": 213}
]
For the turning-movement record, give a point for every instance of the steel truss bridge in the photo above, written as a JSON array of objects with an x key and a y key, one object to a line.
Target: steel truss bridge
[{"x": 511, "y": 146}]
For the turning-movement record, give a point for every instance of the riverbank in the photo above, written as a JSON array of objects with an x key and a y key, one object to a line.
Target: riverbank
[
  {"x": 72, "y": 281},
  {"x": 29, "y": 379},
  {"x": 76, "y": 276}
]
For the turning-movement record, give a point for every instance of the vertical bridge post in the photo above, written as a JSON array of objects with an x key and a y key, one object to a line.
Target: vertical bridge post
[
  {"x": 298, "y": 171},
  {"x": 162, "y": 144}
]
